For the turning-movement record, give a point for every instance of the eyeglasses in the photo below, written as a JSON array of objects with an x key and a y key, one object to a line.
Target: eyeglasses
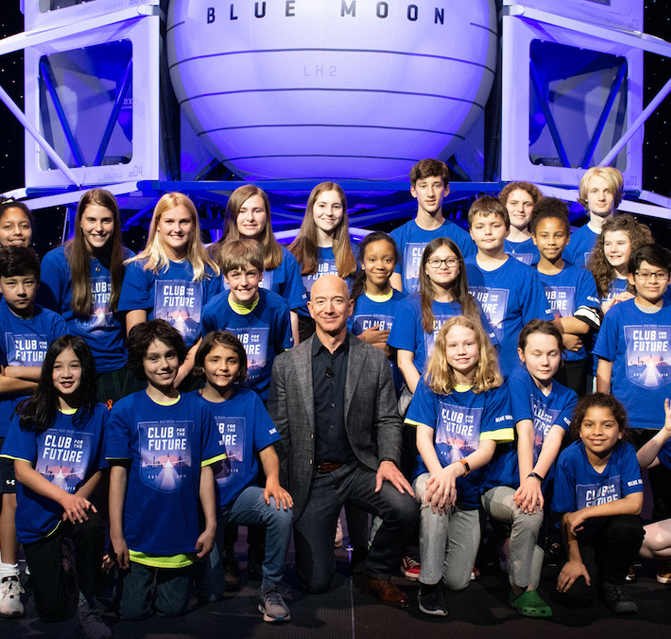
[
  {"x": 660, "y": 276},
  {"x": 450, "y": 262}
]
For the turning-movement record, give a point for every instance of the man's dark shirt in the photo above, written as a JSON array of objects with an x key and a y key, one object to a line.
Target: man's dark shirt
[{"x": 329, "y": 372}]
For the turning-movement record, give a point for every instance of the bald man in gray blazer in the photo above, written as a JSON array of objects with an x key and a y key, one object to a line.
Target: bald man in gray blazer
[{"x": 333, "y": 402}]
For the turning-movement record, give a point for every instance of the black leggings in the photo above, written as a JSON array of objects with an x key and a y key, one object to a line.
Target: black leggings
[
  {"x": 607, "y": 552},
  {"x": 45, "y": 560}
]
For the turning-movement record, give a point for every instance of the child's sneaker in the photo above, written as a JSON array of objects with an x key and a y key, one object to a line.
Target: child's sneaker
[
  {"x": 410, "y": 568},
  {"x": 664, "y": 571},
  {"x": 10, "y": 597},
  {"x": 617, "y": 600},
  {"x": 91, "y": 626},
  {"x": 273, "y": 607},
  {"x": 431, "y": 599}
]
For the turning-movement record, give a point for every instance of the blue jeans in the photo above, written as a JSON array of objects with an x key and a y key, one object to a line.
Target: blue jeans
[
  {"x": 170, "y": 588},
  {"x": 248, "y": 509},
  {"x": 314, "y": 530}
]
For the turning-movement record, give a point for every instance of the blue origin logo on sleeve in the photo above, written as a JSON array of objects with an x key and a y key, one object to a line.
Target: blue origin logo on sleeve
[
  {"x": 232, "y": 433},
  {"x": 364, "y": 322},
  {"x": 457, "y": 432},
  {"x": 63, "y": 457},
  {"x": 412, "y": 262},
  {"x": 648, "y": 358},
  {"x": 525, "y": 258},
  {"x": 544, "y": 420},
  {"x": 179, "y": 302},
  {"x": 267, "y": 281},
  {"x": 165, "y": 449},
  {"x": 25, "y": 349},
  {"x": 255, "y": 342},
  {"x": 561, "y": 300},
  {"x": 494, "y": 304},
  {"x": 602, "y": 492},
  {"x": 101, "y": 317},
  {"x": 327, "y": 267}
]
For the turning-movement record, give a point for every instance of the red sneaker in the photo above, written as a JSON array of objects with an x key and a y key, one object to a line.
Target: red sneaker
[{"x": 410, "y": 568}]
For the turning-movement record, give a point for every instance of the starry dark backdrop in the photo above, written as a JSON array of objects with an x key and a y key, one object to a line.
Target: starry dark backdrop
[{"x": 656, "y": 163}]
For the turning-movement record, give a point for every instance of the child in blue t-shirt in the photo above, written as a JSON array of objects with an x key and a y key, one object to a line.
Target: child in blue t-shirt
[
  {"x": 634, "y": 351},
  {"x": 513, "y": 489},
  {"x": 161, "y": 446},
  {"x": 429, "y": 184},
  {"x": 609, "y": 262},
  {"x": 461, "y": 410},
  {"x": 260, "y": 319},
  {"x": 81, "y": 280},
  {"x": 26, "y": 331},
  {"x": 600, "y": 192},
  {"x": 375, "y": 301},
  {"x": 173, "y": 277},
  {"x": 633, "y": 343},
  {"x": 245, "y": 430},
  {"x": 443, "y": 294},
  {"x": 248, "y": 217},
  {"x": 56, "y": 442},
  {"x": 598, "y": 493},
  {"x": 509, "y": 292},
  {"x": 570, "y": 290},
  {"x": 519, "y": 198},
  {"x": 323, "y": 245}
]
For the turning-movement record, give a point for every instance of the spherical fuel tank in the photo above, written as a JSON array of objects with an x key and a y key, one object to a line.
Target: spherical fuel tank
[{"x": 331, "y": 89}]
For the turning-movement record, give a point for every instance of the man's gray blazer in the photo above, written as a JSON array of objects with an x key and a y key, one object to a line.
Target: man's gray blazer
[{"x": 372, "y": 422}]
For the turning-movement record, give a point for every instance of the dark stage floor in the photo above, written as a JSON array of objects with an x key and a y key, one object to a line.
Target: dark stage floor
[{"x": 481, "y": 612}]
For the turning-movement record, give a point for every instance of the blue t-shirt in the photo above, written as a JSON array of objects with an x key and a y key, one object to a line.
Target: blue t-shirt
[
  {"x": 615, "y": 287},
  {"x": 578, "y": 485},
  {"x": 170, "y": 294},
  {"x": 639, "y": 345},
  {"x": 579, "y": 249},
  {"x": 244, "y": 428},
  {"x": 25, "y": 343},
  {"x": 664, "y": 453},
  {"x": 326, "y": 265},
  {"x": 67, "y": 454},
  {"x": 101, "y": 329},
  {"x": 408, "y": 333},
  {"x": 460, "y": 420},
  {"x": 369, "y": 313},
  {"x": 526, "y": 251},
  {"x": 285, "y": 280},
  {"x": 167, "y": 446},
  {"x": 567, "y": 291},
  {"x": 510, "y": 296},
  {"x": 264, "y": 332},
  {"x": 529, "y": 402},
  {"x": 411, "y": 241}
]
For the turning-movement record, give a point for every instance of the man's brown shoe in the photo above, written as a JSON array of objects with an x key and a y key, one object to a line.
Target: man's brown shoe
[{"x": 384, "y": 591}]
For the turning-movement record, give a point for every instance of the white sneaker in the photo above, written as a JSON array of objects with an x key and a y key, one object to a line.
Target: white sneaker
[{"x": 10, "y": 597}]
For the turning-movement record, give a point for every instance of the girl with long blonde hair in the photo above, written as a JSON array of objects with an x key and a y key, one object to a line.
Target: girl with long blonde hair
[
  {"x": 174, "y": 276},
  {"x": 460, "y": 410}
]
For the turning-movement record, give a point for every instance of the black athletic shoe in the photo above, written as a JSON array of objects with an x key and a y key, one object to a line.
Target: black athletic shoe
[
  {"x": 432, "y": 600},
  {"x": 617, "y": 600}
]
